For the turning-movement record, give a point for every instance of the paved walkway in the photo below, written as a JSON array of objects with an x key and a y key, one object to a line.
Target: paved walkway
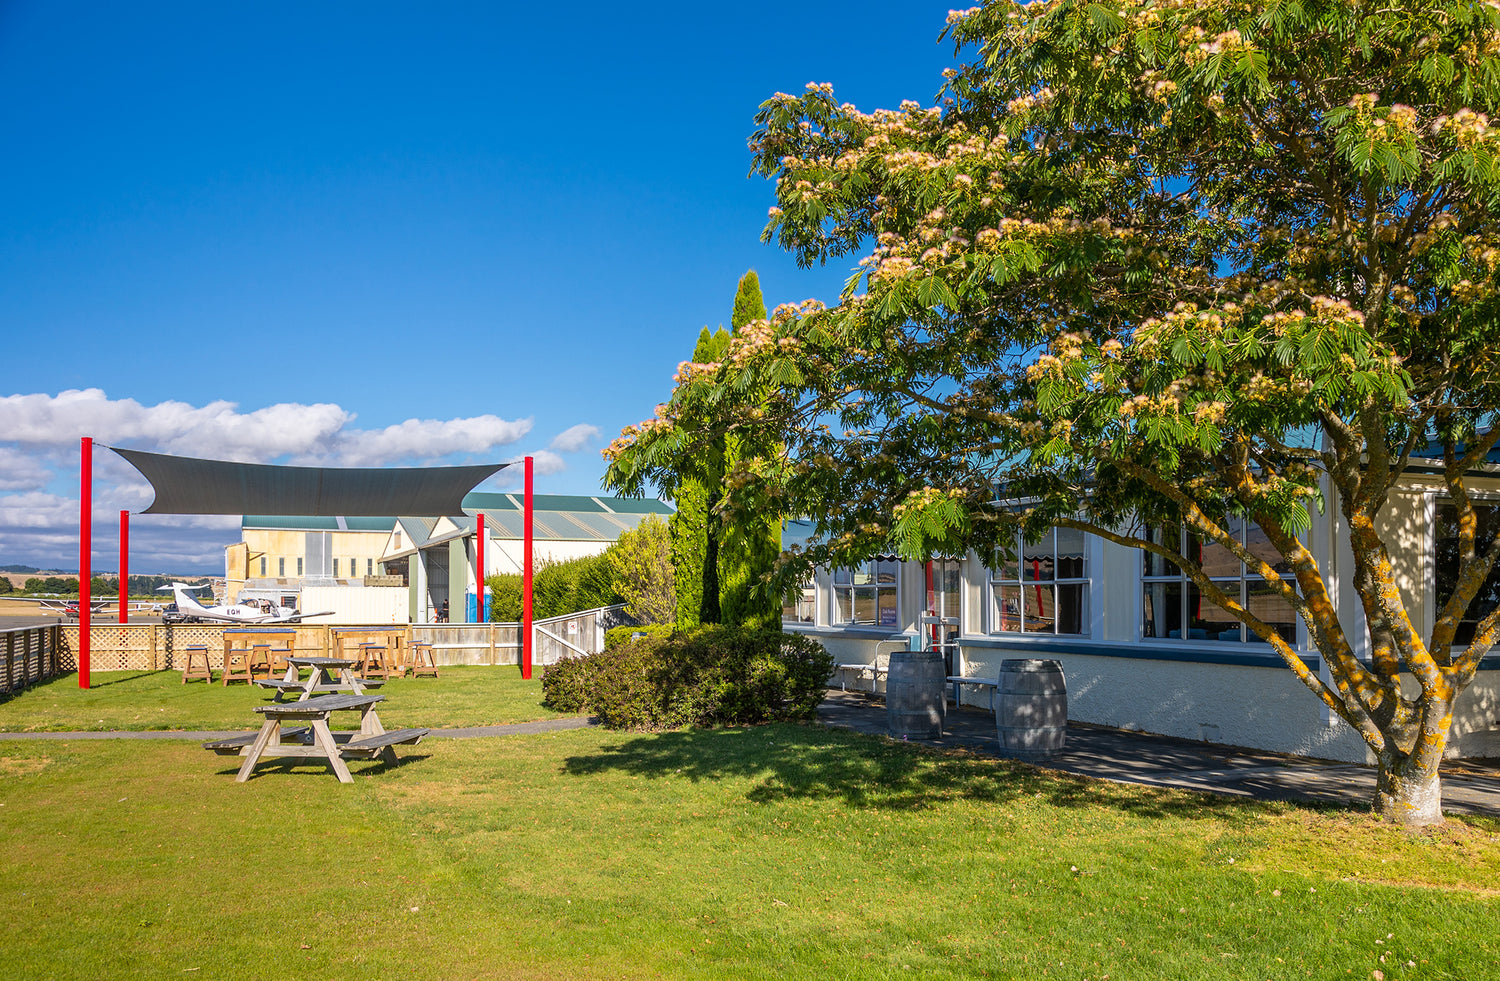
[{"x": 1469, "y": 786}]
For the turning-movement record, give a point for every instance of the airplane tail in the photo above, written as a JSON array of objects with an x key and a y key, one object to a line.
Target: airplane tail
[{"x": 186, "y": 603}]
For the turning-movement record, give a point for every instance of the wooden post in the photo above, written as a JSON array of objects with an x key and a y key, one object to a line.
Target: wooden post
[{"x": 85, "y": 547}]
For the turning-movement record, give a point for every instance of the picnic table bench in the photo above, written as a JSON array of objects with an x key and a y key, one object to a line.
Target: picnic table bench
[{"x": 315, "y": 740}]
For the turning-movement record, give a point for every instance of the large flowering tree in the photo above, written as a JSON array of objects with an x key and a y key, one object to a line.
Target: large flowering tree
[{"x": 1145, "y": 265}]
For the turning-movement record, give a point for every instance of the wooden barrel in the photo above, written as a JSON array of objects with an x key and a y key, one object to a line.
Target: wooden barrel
[
  {"x": 1031, "y": 709},
  {"x": 914, "y": 702}
]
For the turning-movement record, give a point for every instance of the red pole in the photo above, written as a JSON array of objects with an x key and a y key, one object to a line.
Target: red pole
[
  {"x": 85, "y": 547},
  {"x": 479, "y": 570},
  {"x": 526, "y": 579},
  {"x": 124, "y": 566}
]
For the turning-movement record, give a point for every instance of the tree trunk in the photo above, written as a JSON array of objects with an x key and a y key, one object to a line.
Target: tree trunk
[{"x": 1408, "y": 790}]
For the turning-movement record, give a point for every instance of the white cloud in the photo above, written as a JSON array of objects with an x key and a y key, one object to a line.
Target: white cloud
[
  {"x": 574, "y": 438},
  {"x": 319, "y": 433},
  {"x": 39, "y": 439},
  {"x": 21, "y": 472}
]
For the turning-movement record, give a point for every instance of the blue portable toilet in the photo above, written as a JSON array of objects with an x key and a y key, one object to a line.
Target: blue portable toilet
[{"x": 469, "y": 611}]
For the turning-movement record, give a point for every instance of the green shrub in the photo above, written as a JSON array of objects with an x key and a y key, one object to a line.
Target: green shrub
[
  {"x": 557, "y": 589},
  {"x": 710, "y": 676},
  {"x": 565, "y": 684},
  {"x": 615, "y": 636}
]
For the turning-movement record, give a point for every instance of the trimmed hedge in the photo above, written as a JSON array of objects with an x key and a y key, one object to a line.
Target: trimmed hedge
[{"x": 704, "y": 677}]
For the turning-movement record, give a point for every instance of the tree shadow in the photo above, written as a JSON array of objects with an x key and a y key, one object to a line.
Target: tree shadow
[
  {"x": 306, "y": 766},
  {"x": 809, "y": 762}
]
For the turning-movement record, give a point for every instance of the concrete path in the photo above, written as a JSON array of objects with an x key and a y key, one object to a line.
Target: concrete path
[{"x": 1469, "y": 786}]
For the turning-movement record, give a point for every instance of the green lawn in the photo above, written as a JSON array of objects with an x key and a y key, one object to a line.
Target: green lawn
[
  {"x": 774, "y": 852},
  {"x": 134, "y": 700}
]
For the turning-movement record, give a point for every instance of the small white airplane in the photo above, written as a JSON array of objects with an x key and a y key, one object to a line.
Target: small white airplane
[{"x": 190, "y": 609}]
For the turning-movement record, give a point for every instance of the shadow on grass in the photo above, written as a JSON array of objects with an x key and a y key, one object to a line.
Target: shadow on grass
[
  {"x": 810, "y": 762},
  {"x": 302, "y": 766}
]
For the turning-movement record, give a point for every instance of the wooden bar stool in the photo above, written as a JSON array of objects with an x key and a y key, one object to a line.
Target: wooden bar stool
[
  {"x": 421, "y": 660},
  {"x": 278, "y": 657},
  {"x": 260, "y": 659},
  {"x": 197, "y": 654},
  {"x": 237, "y": 665},
  {"x": 373, "y": 662}
]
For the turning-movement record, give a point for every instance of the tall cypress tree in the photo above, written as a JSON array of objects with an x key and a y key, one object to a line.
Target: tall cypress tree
[
  {"x": 753, "y": 548},
  {"x": 694, "y": 529}
]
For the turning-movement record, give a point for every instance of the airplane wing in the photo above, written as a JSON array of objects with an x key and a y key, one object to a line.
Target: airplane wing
[
  {"x": 203, "y": 613},
  {"x": 297, "y": 617}
]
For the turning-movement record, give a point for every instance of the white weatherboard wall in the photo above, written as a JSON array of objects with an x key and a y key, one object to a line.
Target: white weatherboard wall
[
  {"x": 357, "y": 604},
  {"x": 1237, "y": 705}
]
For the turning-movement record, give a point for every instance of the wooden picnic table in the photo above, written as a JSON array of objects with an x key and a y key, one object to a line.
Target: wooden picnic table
[
  {"x": 321, "y": 680},
  {"x": 315, "y": 740}
]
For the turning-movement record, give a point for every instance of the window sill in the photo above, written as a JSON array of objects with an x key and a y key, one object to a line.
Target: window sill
[{"x": 1245, "y": 655}]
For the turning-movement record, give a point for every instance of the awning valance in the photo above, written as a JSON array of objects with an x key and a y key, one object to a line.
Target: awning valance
[{"x": 185, "y": 485}]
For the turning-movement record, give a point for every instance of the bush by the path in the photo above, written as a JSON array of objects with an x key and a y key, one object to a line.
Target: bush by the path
[{"x": 709, "y": 676}]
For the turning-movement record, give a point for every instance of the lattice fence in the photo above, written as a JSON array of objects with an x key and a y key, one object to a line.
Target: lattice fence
[{"x": 30, "y": 654}]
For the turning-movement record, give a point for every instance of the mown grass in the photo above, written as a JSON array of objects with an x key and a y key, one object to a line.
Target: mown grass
[
  {"x": 773, "y": 852},
  {"x": 136, "y": 701}
]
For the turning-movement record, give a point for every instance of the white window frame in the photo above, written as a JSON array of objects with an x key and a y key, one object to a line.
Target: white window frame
[
  {"x": 845, "y": 581},
  {"x": 1242, "y": 582},
  {"x": 1000, "y": 619}
]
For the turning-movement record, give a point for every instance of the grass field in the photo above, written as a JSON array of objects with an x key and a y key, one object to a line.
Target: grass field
[
  {"x": 134, "y": 700},
  {"x": 772, "y": 852}
]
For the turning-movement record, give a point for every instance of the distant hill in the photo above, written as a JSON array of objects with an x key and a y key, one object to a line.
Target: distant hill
[{"x": 19, "y": 568}]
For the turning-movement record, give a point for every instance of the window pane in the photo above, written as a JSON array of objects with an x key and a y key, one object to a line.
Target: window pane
[
  {"x": 1008, "y": 607},
  {"x": 886, "y": 571},
  {"x": 1271, "y": 607},
  {"x": 1037, "y": 559},
  {"x": 842, "y": 577},
  {"x": 947, "y": 581},
  {"x": 1260, "y": 546},
  {"x": 888, "y": 608},
  {"x": 1161, "y": 611},
  {"x": 1169, "y": 536},
  {"x": 1040, "y": 608},
  {"x": 1072, "y": 554},
  {"x": 1005, "y": 566},
  {"x": 1206, "y": 621},
  {"x": 1073, "y": 609},
  {"x": 862, "y": 576},
  {"x": 1215, "y": 560},
  {"x": 864, "y": 606}
]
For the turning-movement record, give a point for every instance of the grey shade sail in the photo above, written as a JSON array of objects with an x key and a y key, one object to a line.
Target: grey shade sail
[{"x": 185, "y": 485}]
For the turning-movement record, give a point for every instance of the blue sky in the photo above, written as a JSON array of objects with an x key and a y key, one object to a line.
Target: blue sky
[{"x": 373, "y": 233}]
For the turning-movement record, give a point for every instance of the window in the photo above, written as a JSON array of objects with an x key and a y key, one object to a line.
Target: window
[
  {"x": 1044, "y": 588},
  {"x": 299, "y": 565},
  {"x": 281, "y": 568},
  {"x": 335, "y": 568},
  {"x": 868, "y": 593},
  {"x": 1446, "y": 563},
  {"x": 1173, "y": 607},
  {"x": 262, "y": 566},
  {"x": 800, "y": 604},
  {"x": 369, "y": 567}
]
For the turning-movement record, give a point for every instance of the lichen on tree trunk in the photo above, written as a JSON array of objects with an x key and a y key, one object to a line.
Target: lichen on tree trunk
[{"x": 1408, "y": 788}]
